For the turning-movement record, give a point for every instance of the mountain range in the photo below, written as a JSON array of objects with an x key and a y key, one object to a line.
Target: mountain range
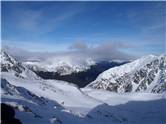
[{"x": 50, "y": 101}]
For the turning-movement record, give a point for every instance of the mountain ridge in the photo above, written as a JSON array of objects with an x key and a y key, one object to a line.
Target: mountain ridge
[
  {"x": 9, "y": 64},
  {"x": 135, "y": 76}
]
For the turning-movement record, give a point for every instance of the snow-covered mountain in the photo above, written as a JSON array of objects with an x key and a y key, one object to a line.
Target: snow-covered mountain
[
  {"x": 62, "y": 65},
  {"x": 38, "y": 101},
  {"x": 11, "y": 65},
  {"x": 145, "y": 74}
]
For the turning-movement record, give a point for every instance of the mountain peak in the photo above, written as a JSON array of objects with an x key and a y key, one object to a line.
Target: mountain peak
[
  {"x": 9, "y": 64},
  {"x": 5, "y": 58}
]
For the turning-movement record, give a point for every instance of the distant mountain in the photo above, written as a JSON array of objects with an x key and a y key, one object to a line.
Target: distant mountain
[
  {"x": 145, "y": 74},
  {"x": 60, "y": 65},
  {"x": 80, "y": 78},
  {"x": 11, "y": 65}
]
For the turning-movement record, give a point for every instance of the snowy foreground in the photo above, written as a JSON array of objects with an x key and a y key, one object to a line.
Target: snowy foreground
[{"x": 38, "y": 101}]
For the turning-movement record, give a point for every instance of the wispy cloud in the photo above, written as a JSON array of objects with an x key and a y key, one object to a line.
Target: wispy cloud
[
  {"x": 150, "y": 22},
  {"x": 28, "y": 20},
  {"x": 39, "y": 21},
  {"x": 36, "y": 46}
]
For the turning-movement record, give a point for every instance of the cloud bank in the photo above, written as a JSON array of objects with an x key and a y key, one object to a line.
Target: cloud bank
[{"x": 77, "y": 51}]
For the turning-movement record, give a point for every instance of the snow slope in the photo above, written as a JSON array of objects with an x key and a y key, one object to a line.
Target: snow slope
[
  {"x": 145, "y": 74},
  {"x": 135, "y": 108},
  {"x": 32, "y": 97},
  {"x": 50, "y": 101}
]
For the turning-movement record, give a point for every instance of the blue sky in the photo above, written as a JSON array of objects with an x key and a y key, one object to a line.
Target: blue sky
[{"x": 135, "y": 28}]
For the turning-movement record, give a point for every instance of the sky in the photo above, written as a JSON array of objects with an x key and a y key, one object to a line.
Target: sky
[{"x": 117, "y": 28}]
